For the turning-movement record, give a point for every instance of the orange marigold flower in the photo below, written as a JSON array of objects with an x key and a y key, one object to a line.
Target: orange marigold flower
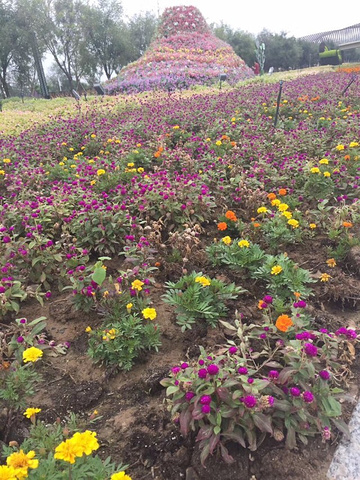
[
  {"x": 297, "y": 294},
  {"x": 222, "y": 226},
  {"x": 282, "y": 191},
  {"x": 256, "y": 225},
  {"x": 161, "y": 149},
  {"x": 331, "y": 262},
  {"x": 283, "y": 323},
  {"x": 157, "y": 154},
  {"x": 271, "y": 196},
  {"x": 231, "y": 216},
  {"x": 347, "y": 224},
  {"x": 347, "y": 157}
]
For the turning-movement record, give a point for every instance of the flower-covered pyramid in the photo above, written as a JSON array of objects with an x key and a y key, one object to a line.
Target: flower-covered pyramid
[{"x": 184, "y": 53}]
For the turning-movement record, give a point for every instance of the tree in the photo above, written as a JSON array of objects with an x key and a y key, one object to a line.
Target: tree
[
  {"x": 142, "y": 28},
  {"x": 107, "y": 35},
  {"x": 14, "y": 47},
  {"x": 242, "y": 42}
]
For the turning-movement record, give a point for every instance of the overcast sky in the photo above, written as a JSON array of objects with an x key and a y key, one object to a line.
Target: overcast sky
[{"x": 295, "y": 18}]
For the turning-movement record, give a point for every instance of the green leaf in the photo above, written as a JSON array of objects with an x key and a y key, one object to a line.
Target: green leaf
[
  {"x": 171, "y": 390},
  {"x": 262, "y": 422},
  {"x": 99, "y": 275}
]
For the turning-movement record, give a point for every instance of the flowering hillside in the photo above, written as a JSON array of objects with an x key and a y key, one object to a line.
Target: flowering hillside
[{"x": 184, "y": 53}]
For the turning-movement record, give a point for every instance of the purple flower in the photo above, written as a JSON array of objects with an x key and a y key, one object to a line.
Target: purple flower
[
  {"x": 201, "y": 362},
  {"x": 189, "y": 396},
  {"x": 6, "y": 239},
  {"x": 205, "y": 400},
  {"x": 250, "y": 401},
  {"x": 2, "y": 289},
  {"x": 324, "y": 374},
  {"x": 268, "y": 299},
  {"x": 213, "y": 369},
  {"x": 20, "y": 339},
  {"x": 310, "y": 350},
  {"x": 202, "y": 373},
  {"x": 301, "y": 304},
  {"x": 184, "y": 365},
  {"x": 308, "y": 397},
  {"x": 295, "y": 392},
  {"x": 250, "y": 380},
  {"x": 232, "y": 350},
  {"x": 48, "y": 294},
  {"x": 23, "y": 320},
  {"x": 242, "y": 370},
  {"x": 273, "y": 374},
  {"x": 262, "y": 336},
  {"x": 176, "y": 370},
  {"x": 206, "y": 409}
]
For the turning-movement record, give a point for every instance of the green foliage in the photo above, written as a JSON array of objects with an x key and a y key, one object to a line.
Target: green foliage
[
  {"x": 237, "y": 258},
  {"x": 256, "y": 387},
  {"x": 122, "y": 338},
  {"x": 12, "y": 297},
  {"x": 19, "y": 383},
  {"x": 43, "y": 438},
  {"x": 291, "y": 278},
  {"x": 197, "y": 297}
]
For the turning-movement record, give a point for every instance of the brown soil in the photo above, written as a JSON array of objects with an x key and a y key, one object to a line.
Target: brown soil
[{"x": 133, "y": 423}]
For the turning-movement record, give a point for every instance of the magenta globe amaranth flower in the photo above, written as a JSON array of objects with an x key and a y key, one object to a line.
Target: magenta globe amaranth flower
[
  {"x": 242, "y": 370},
  {"x": 232, "y": 350},
  {"x": 268, "y": 299},
  {"x": 295, "y": 392},
  {"x": 213, "y": 369},
  {"x": 206, "y": 409},
  {"x": 176, "y": 370},
  {"x": 202, "y": 373},
  {"x": 250, "y": 401},
  {"x": 308, "y": 396},
  {"x": 189, "y": 396},
  {"x": 273, "y": 374},
  {"x": 324, "y": 374},
  {"x": 205, "y": 400},
  {"x": 310, "y": 350}
]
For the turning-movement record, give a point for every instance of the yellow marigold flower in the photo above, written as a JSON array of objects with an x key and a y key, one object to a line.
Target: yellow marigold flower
[
  {"x": 149, "y": 313},
  {"x": 88, "y": 329},
  {"x": 29, "y": 412},
  {"x": 353, "y": 144},
  {"x": 294, "y": 223},
  {"x": 131, "y": 164},
  {"x": 86, "y": 442},
  {"x": 325, "y": 277},
  {"x": 312, "y": 225},
  {"x": 283, "y": 207},
  {"x": 129, "y": 306},
  {"x": 99, "y": 172},
  {"x": 226, "y": 240},
  {"x": 339, "y": 147},
  {"x": 276, "y": 270},
  {"x": 276, "y": 202},
  {"x": 21, "y": 462},
  {"x": 244, "y": 244},
  {"x": 7, "y": 473},
  {"x": 93, "y": 135},
  {"x": 327, "y": 174},
  {"x": 2, "y": 172},
  {"x": 92, "y": 182},
  {"x": 262, "y": 210},
  {"x": 137, "y": 285},
  {"x": 120, "y": 476},
  {"x": 6, "y": 160},
  {"x": 324, "y": 161},
  {"x": 288, "y": 215},
  {"x": 315, "y": 170},
  {"x": 331, "y": 262},
  {"x": 32, "y": 354},
  {"x": 91, "y": 161},
  {"x": 175, "y": 127},
  {"x": 140, "y": 170},
  {"x": 218, "y": 143},
  {"x": 233, "y": 119},
  {"x": 68, "y": 451},
  {"x": 138, "y": 145},
  {"x": 205, "y": 282}
]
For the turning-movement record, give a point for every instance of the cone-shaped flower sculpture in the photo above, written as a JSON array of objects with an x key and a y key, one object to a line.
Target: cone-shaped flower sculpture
[{"x": 185, "y": 53}]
